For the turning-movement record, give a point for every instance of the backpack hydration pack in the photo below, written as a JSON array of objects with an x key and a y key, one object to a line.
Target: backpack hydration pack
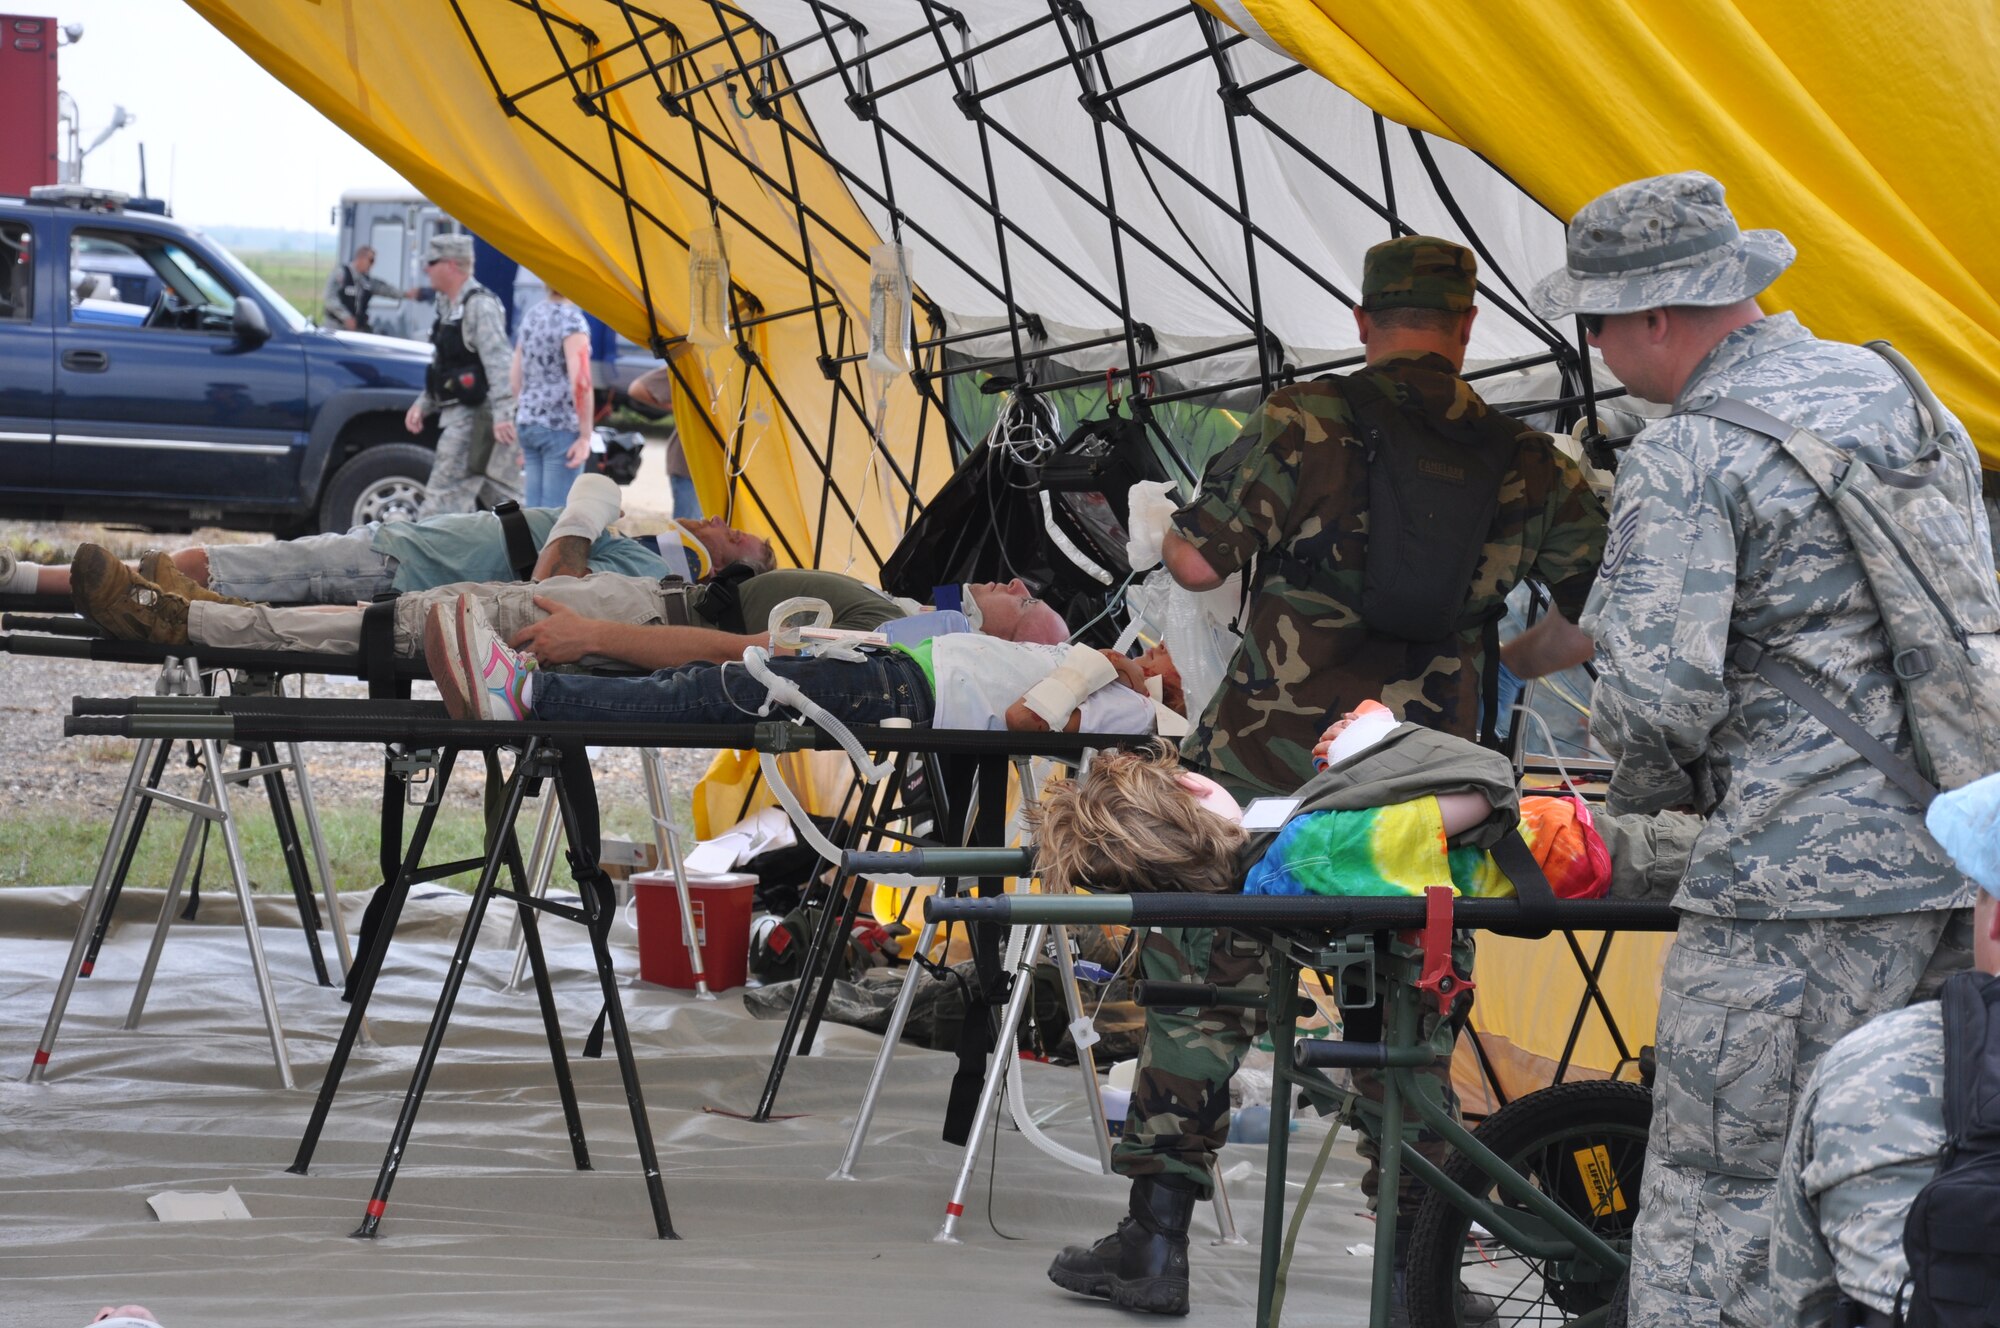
[
  {"x": 1933, "y": 586},
  {"x": 1431, "y": 504},
  {"x": 1952, "y": 1236}
]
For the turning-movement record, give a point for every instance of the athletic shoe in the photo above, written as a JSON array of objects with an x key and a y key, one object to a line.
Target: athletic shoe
[
  {"x": 126, "y": 605},
  {"x": 493, "y": 672},
  {"x": 157, "y": 566},
  {"x": 441, "y": 656}
]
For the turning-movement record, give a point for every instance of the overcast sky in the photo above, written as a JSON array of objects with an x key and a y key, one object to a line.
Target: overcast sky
[{"x": 229, "y": 144}]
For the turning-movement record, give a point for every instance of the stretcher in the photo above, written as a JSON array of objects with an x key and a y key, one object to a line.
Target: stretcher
[
  {"x": 1401, "y": 947},
  {"x": 545, "y": 751}
]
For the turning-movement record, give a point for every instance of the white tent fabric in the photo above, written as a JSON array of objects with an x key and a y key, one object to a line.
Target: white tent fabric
[{"x": 1322, "y": 225}]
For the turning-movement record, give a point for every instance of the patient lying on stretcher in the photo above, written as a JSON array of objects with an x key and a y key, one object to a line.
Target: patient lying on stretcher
[
  {"x": 1416, "y": 809},
  {"x": 962, "y": 680}
]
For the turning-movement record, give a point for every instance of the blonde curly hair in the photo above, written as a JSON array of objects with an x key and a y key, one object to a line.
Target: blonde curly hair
[{"x": 1130, "y": 826}]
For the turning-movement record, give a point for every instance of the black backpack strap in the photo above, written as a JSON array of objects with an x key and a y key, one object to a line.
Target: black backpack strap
[
  {"x": 1531, "y": 886},
  {"x": 521, "y": 551},
  {"x": 378, "y": 649},
  {"x": 1753, "y": 657},
  {"x": 1967, "y": 1035}
]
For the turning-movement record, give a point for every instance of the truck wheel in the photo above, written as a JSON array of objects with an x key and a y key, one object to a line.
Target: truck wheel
[{"x": 380, "y": 483}]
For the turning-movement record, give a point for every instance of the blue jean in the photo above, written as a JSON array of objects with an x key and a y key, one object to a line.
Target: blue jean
[
  {"x": 547, "y": 478},
  {"x": 884, "y": 686}
]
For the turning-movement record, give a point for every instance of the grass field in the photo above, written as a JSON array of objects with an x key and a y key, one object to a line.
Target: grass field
[
  {"x": 55, "y": 847},
  {"x": 295, "y": 274}
]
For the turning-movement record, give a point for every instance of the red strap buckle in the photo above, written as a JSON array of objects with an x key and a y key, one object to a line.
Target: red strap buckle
[{"x": 1439, "y": 977}]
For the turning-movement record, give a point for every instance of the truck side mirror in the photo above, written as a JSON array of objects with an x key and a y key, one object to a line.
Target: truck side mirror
[{"x": 248, "y": 323}]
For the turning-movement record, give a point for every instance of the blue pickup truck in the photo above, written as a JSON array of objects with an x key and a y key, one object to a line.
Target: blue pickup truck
[{"x": 149, "y": 378}]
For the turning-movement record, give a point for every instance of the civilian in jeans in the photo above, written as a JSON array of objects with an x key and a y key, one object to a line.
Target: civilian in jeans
[{"x": 551, "y": 376}]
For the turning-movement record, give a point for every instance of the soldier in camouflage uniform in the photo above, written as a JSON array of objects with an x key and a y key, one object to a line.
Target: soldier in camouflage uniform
[
  {"x": 1291, "y": 494},
  {"x": 1814, "y": 899},
  {"x": 1287, "y": 504},
  {"x": 478, "y": 453},
  {"x": 1866, "y": 1139}
]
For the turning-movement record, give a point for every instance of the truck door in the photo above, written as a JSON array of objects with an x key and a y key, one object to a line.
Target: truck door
[
  {"x": 166, "y": 398},
  {"x": 27, "y": 360}
]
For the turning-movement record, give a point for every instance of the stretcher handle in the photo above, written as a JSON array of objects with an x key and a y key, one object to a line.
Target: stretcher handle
[
  {"x": 172, "y": 727},
  {"x": 1324, "y": 1054},
  {"x": 95, "y": 726},
  {"x": 49, "y": 647},
  {"x": 1197, "y": 995},
  {"x": 940, "y": 862},
  {"x": 145, "y": 705}
]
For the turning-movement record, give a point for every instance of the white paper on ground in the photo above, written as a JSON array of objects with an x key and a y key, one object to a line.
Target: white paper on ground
[{"x": 196, "y": 1206}]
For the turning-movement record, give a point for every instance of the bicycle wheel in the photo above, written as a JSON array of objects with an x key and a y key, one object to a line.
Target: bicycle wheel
[{"x": 1583, "y": 1144}]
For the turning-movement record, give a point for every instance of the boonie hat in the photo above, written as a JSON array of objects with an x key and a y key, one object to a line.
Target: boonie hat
[
  {"x": 457, "y": 247},
  {"x": 1418, "y": 272},
  {"x": 1663, "y": 241}
]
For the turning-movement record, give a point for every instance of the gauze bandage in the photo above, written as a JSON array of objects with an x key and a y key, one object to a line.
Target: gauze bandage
[
  {"x": 592, "y": 506},
  {"x": 1151, "y": 505},
  {"x": 970, "y": 607},
  {"x": 1057, "y": 696}
]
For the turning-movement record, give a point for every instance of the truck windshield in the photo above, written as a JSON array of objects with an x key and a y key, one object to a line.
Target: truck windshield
[{"x": 292, "y": 318}]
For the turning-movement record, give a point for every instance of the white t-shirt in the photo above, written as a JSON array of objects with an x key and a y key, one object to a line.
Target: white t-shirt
[{"x": 978, "y": 677}]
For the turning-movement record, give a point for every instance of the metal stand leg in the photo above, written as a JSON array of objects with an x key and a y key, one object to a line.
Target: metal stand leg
[
  {"x": 541, "y": 870},
  {"x": 899, "y": 1016},
  {"x": 1283, "y": 1007},
  {"x": 669, "y": 845},
  {"x": 1225, "y": 1219},
  {"x": 262, "y": 761},
  {"x": 531, "y": 941},
  {"x": 219, "y": 784},
  {"x": 454, "y": 978},
  {"x": 131, "y": 849},
  {"x": 621, "y": 1036},
  {"x": 370, "y": 964},
  {"x": 1086, "y": 1066},
  {"x": 94, "y": 904},
  {"x": 989, "y": 1096},
  {"x": 196, "y": 827},
  {"x": 321, "y": 862}
]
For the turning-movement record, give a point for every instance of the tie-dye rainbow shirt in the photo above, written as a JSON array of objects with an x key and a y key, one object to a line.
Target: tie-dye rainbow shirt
[{"x": 1400, "y": 850}]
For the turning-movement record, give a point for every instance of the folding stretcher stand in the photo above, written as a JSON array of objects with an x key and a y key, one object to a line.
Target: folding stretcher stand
[
  {"x": 184, "y": 680},
  {"x": 1406, "y": 941}
]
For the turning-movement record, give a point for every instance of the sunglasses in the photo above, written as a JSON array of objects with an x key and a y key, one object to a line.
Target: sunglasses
[{"x": 1593, "y": 324}]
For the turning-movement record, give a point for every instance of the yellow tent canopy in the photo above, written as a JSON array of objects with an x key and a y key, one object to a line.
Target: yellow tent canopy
[{"x": 1858, "y": 128}]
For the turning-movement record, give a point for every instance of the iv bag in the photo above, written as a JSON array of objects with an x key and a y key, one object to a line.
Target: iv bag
[
  {"x": 889, "y": 309},
  {"x": 708, "y": 289}
]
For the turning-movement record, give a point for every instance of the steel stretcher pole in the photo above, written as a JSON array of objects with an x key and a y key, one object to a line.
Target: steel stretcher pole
[
  {"x": 239, "y": 871},
  {"x": 321, "y": 861},
  {"x": 190, "y": 840},
  {"x": 541, "y": 868},
  {"x": 95, "y": 903},
  {"x": 265, "y": 756}
]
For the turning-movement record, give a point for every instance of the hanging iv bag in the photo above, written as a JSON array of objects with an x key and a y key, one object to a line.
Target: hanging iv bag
[
  {"x": 889, "y": 309},
  {"x": 708, "y": 289}
]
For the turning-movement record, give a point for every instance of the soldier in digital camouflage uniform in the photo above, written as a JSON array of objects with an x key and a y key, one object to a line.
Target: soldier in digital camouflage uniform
[
  {"x": 1866, "y": 1138},
  {"x": 1814, "y": 898},
  {"x": 1291, "y": 492},
  {"x": 478, "y": 453}
]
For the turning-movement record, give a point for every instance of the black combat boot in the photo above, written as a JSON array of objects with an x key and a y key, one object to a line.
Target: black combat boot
[{"x": 1143, "y": 1265}]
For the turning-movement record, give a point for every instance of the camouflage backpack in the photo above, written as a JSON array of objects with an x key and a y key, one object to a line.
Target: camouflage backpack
[{"x": 1932, "y": 583}]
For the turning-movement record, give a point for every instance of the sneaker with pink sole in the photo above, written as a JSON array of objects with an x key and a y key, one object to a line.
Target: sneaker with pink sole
[{"x": 478, "y": 675}]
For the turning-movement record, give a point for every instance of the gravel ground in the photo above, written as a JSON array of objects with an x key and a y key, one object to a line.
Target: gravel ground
[{"x": 38, "y": 766}]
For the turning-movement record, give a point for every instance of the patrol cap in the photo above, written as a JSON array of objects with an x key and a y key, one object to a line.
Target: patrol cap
[
  {"x": 1663, "y": 241},
  {"x": 453, "y": 247},
  {"x": 1418, "y": 272}
]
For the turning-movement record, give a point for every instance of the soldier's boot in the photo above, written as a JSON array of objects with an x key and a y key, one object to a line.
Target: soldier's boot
[
  {"x": 157, "y": 566},
  {"x": 1143, "y": 1265},
  {"x": 125, "y": 604}
]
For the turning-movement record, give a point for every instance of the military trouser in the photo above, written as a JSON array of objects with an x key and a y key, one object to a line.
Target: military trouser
[
  {"x": 1179, "y": 1116},
  {"x": 471, "y": 466},
  {"x": 1747, "y": 1008}
]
